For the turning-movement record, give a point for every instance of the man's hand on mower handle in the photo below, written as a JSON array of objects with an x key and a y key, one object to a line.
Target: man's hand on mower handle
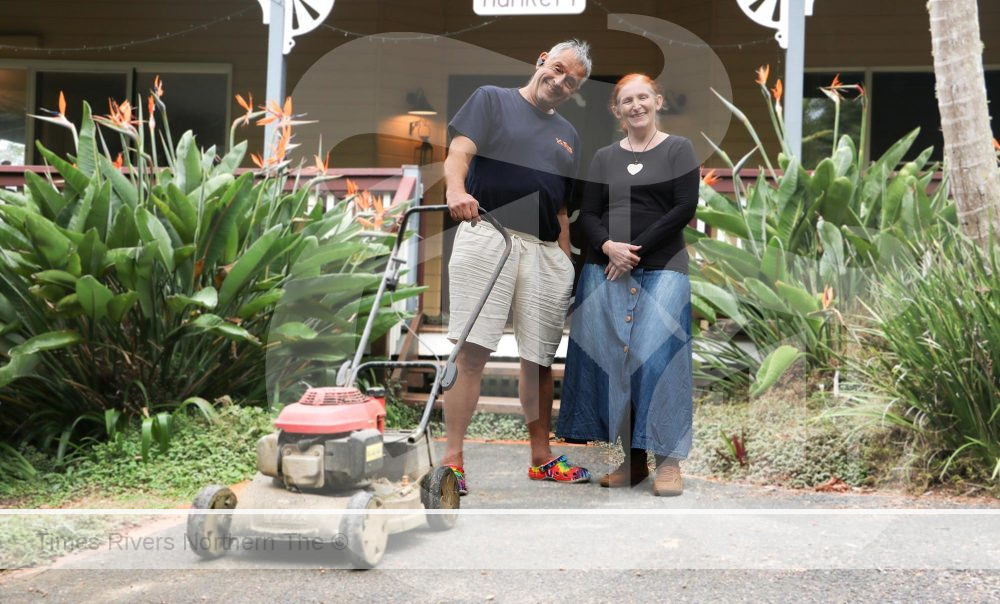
[{"x": 463, "y": 207}]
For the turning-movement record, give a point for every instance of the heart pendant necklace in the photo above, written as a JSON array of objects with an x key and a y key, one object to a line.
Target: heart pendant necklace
[{"x": 636, "y": 166}]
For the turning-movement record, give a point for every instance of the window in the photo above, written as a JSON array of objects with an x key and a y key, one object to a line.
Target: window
[
  {"x": 819, "y": 113},
  {"x": 13, "y": 100},
  {"x": 95, "y": 88},
  {"x": 197, "y": 99},
  {"x": 899, "y": 102}
]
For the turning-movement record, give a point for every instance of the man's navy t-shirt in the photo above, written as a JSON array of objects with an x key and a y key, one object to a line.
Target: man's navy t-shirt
[{"x": 525, "y": 159}]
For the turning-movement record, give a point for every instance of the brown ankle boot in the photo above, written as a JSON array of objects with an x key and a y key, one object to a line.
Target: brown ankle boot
[
  {"x": 667, "y": 481},
  {"x": 630, "y": 473}
]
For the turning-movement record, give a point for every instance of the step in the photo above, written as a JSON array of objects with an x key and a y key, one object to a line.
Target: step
[
  {"x": 503, "y": 369},
  {"x": 487, "y": 404}
]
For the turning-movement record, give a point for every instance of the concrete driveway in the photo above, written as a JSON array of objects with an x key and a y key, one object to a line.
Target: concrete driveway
[{"x": 519, "y": 540}]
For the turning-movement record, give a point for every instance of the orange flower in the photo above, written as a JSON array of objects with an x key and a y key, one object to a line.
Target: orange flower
[
  {"x": 777, "y": 90},
  {"x": 62, "y": 104},
  {"x": 827, "y": 296},
  {"x": 364, "y": 200},
  {"x": 119, "y": 161},
  {"x": 151, "y": 104},
  {"x": 282, "y": 115},
  {"x": 836, "y": 82},
  {"x": 257, "y": 160},
  {"x": 710, "y": 178},
  {"x": 763, "y": 73},
  {"x": 321, "y": 165},
  {"x": 158, "y": 87},
  {"x": 276, "y": 113},
  {"x": 352, "y": 187},
  {"x": 247, "y": 106}
]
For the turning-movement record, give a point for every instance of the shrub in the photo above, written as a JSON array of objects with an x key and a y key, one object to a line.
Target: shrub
[
  {"x": 934, "y": 364},
  {"x": 798, "y": 254},
  {"x": 132, "y": 288}
]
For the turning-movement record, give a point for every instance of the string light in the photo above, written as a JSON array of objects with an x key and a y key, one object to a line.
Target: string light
[
  {"x": 394, "y": 39},
  {"x": 124, "y": 45}
]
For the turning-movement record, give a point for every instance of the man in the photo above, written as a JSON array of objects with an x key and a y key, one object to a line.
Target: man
[{"x": 512, "y": 154}]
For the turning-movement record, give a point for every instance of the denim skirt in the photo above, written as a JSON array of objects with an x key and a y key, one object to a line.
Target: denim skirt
[{"x": 629, "y": 361}]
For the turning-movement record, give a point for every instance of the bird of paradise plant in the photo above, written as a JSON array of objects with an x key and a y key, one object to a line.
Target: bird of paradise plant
[
  {"x": 791, "y": 245},
  {"x": 133, "y": 288}
]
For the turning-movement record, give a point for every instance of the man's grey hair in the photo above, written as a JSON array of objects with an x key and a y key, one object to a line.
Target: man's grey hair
[{"x": 580, "y": 48}]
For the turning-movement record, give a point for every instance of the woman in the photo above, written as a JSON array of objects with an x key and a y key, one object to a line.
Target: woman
[{"x": 628, "y": 368}]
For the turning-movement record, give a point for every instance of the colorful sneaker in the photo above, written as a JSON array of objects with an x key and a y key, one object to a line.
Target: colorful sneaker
[
  {"x": 459, "y": 471},
  {"x": 560, "y": 470}
]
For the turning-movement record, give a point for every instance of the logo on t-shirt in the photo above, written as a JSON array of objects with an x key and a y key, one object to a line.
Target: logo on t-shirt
[{"x": 564, "y": 145}]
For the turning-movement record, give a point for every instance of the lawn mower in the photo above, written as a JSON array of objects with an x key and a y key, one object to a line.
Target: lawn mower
[{"x": 331, "y": 453}]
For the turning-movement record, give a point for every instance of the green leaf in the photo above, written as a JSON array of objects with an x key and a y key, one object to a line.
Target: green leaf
[
  {"x": 52, "y": 340},
  {"x": 151, "y": 231},
  {"x": 259, "y": 303},
  {"x": 187, "y": 170},
  {"x": 294, "y": 331},
  {"x": 75, "y": 179},
  {"x": 720, "y": 298},
  {"x": 123, "y": 232},
  {"x": 249, "y": 264},
  {"x": 767, "y": 297},
  {"x": 183, "y": 208},
  {"x": 836, "y": 204},
  {"x": 121, "y": 185},
  {"x": 100, "y": 217},
  {"x": 730, "y": 222},
  {"x": 832, "y": 263},
  {"x": 773, "y": 367},
  {"x": 119, "y": 306},
  {"x": 147, "y": 436},
  {"x": 739, "y": 262},
  {"x": 45, "y": 196},
  {"x": 230, "y": 208},
  {"x": 232, "y": 160},
  {"x": 57, "y": 277},
  {"x": 54, "y": 247},
  {"x": 219, "y": 326},
  {"x": 206, "y": 298},
  {"x": 86, "y": 150},
  {"x": 93, "y": 296},
  {"x": 774, "y": 264},
  {"x": 799, "y": 299},
  {"x": 201, "y": 404}
]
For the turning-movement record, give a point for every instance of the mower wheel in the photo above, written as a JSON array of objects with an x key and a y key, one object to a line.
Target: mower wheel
[
  {"x": 367, "y": 534},
  {"x": 208, "y": 534},
  {"x": 439, "y": 491}
]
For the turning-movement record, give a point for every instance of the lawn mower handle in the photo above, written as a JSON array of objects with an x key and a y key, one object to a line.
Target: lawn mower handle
[{"x": 390, "y": 280}]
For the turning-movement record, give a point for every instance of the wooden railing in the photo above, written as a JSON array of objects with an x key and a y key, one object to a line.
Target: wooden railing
[{"x": 392, "y": 181}]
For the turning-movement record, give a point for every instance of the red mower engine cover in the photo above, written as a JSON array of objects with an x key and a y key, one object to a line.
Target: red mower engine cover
[{"x": 332, "y": 411}]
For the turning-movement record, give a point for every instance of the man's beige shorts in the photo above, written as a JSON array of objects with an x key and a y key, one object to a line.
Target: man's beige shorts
[{"x": 536, "y": 282}]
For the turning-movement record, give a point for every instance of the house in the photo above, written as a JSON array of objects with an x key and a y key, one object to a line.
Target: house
[{"x": 371, "y": 61}]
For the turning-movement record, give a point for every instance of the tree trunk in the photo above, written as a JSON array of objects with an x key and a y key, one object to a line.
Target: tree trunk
[{"x": 965, "y": 121}]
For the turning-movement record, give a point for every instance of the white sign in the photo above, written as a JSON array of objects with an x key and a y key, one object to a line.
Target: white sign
[{"x": 529, "y": 7}]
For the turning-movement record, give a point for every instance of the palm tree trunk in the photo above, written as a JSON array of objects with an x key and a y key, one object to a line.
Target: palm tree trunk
[{"x": 965, "y": 121}]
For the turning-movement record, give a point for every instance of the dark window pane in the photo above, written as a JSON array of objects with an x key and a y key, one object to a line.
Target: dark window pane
[
  {"x": 13, "y": 90},
  {"x": 195, "y": 101},
  {"x": 95, "y": 88},
  {"x": 900, "y": 103},
  {"x": 819, "y": 115}
]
